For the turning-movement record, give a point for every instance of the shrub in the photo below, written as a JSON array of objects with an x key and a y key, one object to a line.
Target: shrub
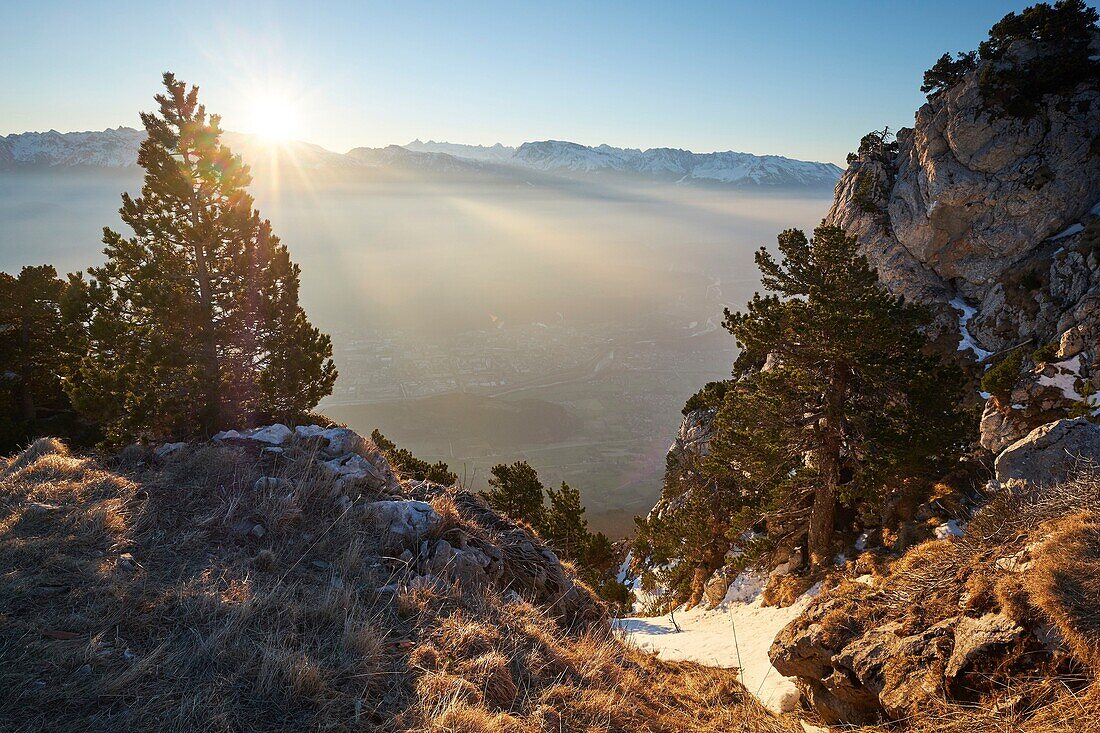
[
  {"x": 710, "y": 396},
  {"x": 1046, "y": 353},
  {"x": 1000, "y": 379}
]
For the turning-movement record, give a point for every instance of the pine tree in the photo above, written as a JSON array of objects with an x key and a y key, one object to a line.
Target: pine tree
[
  {"x": 409, "y": 466},
  {"x": 194, "y": 323},
  {"x": 837, "y": 396},
  {"x": 516, "y": 492},
  {"x": 564, "y": 525},
  {"x": 33, "y": 342}
]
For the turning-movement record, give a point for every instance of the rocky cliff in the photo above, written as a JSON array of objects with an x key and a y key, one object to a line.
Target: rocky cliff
[{"x": 994, "y": 221}]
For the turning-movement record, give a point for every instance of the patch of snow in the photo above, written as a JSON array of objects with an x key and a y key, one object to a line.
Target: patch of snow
[
  {"x": 1069, "y": 231},
  {"x": 966, "y": 341},
  {"x": 1066, "y": 379},
  {"x": 736, "y": 634},
  {"x": 624, "y": 569},
  {"x": 949, "y": 529}
]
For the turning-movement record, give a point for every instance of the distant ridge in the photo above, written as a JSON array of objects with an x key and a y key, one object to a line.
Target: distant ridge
[{"x": 118, "y": 147}]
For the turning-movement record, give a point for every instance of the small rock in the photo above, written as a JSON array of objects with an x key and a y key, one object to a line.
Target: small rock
[
  {"x": 276, "y": 434},
  {"x": 272, "y": 483},
  {"x": 257, "y": 531},
  {"x": 169, "y": 449},
  {"x": 975, "y": 635}
]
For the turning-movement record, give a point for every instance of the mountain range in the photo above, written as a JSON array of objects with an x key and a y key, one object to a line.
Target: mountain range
[{"x": 117, "y": 148}]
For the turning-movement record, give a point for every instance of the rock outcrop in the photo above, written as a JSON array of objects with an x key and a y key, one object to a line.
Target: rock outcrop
[
  {"x": 961, "y": 620},
  {"x": 429, "y": 536},
  {"x": 1051, "y": 453},
  {"x": 994, "y": 222}
]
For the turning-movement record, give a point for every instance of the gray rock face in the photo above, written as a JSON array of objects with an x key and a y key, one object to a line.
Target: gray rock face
[
  {"x": 1049, "y": 454},
  {"x": 694, "y": 436},
  {"x": 1002, "y": 213},
  {"x": 970, "y": 195}
]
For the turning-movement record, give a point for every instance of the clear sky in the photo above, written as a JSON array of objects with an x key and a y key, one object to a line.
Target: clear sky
[{"x": 804, "y": 79}]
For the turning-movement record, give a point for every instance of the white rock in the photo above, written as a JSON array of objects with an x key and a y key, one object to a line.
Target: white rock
[
  {"x": 276, "y": 434},
  {"x": 169, "y": 449},
  {"x": 408, "y": 520},
  {"x": 1050, "y": 453},
  {"x": 352, "y": 465}
]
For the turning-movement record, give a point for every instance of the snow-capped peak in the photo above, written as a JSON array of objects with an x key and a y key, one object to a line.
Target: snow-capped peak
[{"x": 118, "y": 147}]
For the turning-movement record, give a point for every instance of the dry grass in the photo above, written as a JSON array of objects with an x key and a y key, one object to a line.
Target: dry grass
[
  {"x": 1033, "y": 555},
  {"x": 144, "y": 598}
]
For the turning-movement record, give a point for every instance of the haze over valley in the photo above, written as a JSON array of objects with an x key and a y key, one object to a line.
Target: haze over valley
[{"x": 486, "y": 313}]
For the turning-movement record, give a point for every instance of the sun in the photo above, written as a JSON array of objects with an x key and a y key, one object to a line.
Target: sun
[{"x": 273, "y": 117}]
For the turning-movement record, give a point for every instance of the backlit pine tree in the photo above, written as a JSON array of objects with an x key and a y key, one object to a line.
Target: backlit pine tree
[
  {"x": 34, "y": 346},
  {"x": 194, "y": 323},
  {"x": 516, "y": 491}
]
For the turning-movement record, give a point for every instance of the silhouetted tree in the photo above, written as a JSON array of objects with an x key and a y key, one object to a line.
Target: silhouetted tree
[
  {"x": 515, "y": 490},
  {"x": 194, "y": 323},
  {"x": 35, "y": 348},
  {"x": 947, "y": 72},
  {"x": 411, "y": 467}
]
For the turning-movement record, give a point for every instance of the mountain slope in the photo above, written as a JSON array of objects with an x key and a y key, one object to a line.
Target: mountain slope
[{"x": 118, "y": 148}]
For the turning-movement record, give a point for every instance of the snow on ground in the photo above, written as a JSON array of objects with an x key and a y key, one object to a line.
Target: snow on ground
[
  {"x": 966, "y": 342},
  {"x": 737, "y": 633},
  {"x": 949, "y": 529},
  {"x": 1066, "y": 379}
]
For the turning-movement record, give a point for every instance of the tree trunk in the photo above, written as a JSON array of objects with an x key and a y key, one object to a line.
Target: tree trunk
[
  {"x": 211, "y": 370},
  {"x": 823, "y": 513},
  {"x": 26, "y": 394}
]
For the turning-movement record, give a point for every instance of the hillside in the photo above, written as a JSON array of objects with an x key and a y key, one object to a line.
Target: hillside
[
  {"x": 967, "y": 587},
  {"x": 288, "y": 580}
]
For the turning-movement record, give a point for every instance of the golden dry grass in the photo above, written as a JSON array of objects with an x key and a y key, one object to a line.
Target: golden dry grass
[{"x": 144, "y": 599}]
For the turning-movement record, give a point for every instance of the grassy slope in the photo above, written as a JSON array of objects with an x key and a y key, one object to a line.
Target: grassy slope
[
  {"x": 208, "y": 628},
  {"x": 133, "y": 599}
]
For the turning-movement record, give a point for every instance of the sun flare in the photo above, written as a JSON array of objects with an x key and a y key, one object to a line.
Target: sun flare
[{"x": 273, "y": 117}]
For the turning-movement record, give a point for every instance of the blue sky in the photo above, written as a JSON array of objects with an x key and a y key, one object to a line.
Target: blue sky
[{"x": 804, "y": 79}]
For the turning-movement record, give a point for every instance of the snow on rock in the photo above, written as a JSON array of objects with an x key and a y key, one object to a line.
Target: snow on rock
[
  {"x": 966, "y": 341},
  {"x": 1070, "y": 231},
  {"x": 737, "y": 634},
  {"x": 1065, "y": 376}
]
